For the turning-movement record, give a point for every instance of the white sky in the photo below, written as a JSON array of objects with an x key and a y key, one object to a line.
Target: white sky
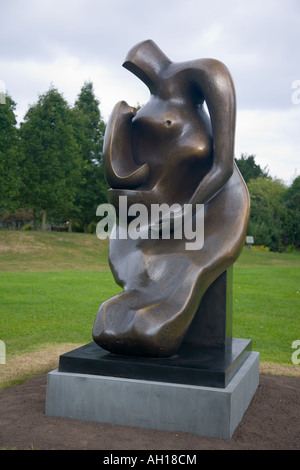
[{"x": 66, "y": 42}]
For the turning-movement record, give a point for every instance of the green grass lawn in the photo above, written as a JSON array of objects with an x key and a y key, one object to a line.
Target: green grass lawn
[
  {"x": 51, "y": 307},
  {"x": 31, "y": 251},
  {"x": 266, "y": 309},
  {"x": 52, "y": 285}
]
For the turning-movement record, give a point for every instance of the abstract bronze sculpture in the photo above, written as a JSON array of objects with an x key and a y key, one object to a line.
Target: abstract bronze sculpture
[{"x": 171, "y": 151}]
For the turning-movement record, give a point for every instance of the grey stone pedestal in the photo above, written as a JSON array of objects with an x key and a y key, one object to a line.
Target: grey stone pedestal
[{"x": 207, "y": 411}]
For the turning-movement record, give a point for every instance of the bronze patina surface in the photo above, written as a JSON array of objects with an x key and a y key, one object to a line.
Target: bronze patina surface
[{"x": 171, "y": 151}]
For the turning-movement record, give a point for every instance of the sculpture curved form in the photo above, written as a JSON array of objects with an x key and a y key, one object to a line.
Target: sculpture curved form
[{"x": 170, "y": 151}]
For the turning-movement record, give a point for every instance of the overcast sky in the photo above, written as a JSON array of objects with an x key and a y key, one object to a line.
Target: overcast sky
[{"x": 67, "y": 42}]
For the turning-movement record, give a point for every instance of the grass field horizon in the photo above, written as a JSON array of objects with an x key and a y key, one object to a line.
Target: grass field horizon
[{"x": 52, "y": 284}]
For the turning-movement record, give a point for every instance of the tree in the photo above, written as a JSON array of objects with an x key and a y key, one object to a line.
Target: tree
[
  {"x": 89, "y": 129},
  {"x": 249, "y": 168},
  {"x": 10, "y": 181},
  {"x": 52, "y": 167},
  {"x": 291, "y": 219},
  {"x": 267, "y": 211}
]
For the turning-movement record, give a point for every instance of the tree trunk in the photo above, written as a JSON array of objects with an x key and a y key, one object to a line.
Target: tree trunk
[
  {"x": 70, "y": 225},
  {"x": 44, "y": 220},
  {"x": 34, "y": 220}
]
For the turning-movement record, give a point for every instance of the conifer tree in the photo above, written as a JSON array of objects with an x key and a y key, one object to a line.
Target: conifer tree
[
  {"x": 10, "y": 157},
  {"x": 89, "y": 129},
  {"x": 52, "y": 165}
]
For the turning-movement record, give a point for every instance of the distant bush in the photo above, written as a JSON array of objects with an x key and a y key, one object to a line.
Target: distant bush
[
  {"x": 260, "y": 248},
  {"x": 28, "y": 226},
  {"x": 290, "y": 248},
  {"x": 17, "y": 219}
]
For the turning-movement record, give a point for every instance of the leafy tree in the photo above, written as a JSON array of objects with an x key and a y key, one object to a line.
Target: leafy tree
[
  {"x": 9, "y": 157},
  {"x": 291, "y": 219},
  {"x": 51, "y": 168},
  {"x": 249, "y": 168},
  {"x": 89, "y": 129},
  {"x": 267, "y": 211}
]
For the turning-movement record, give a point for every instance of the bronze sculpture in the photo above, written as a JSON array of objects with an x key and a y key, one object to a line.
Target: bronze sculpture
[{"x": 172, "y": 152}]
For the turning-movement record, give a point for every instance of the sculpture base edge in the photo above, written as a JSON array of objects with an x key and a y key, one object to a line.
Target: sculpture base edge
[
  {"x": 204, "y": 365},
  {"x": 203, "y": 411}
]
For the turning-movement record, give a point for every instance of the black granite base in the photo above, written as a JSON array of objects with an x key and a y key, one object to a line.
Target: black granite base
[{"x": 204, "y": 366}]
